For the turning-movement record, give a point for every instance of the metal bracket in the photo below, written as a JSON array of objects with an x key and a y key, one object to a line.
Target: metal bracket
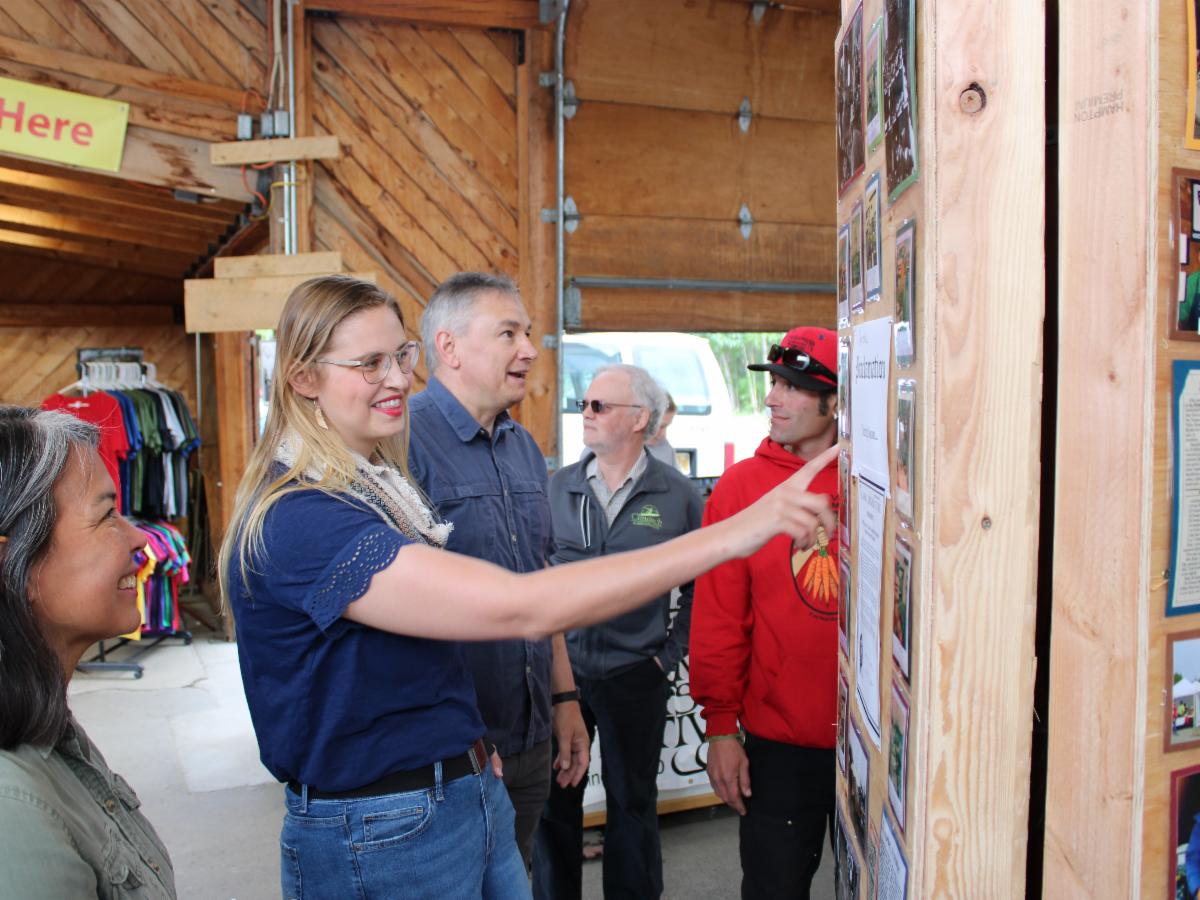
[
  {"x": 549, "y": 216},
  {"x": 570, "y": 103},
  {"x": 550, "y": 341},
  {"x": 549, "y": 10},
  {"x": 571, "y": 215},
  {"x": 744, "y": 115},
  {"x": 572, "y": 307},
  {"x": 758, "y": 9},
  {"x": 745, "y": 221},
  {"x": 546, "y": 79}
]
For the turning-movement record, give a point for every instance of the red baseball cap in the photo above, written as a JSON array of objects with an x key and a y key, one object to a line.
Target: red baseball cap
[{"x": 806, "y": 357}]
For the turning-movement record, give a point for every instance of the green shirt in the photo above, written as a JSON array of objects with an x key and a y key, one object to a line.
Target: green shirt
[{"x": 72, "y": 828}]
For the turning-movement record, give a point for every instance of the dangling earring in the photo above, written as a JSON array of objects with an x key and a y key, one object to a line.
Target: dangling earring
[{"x": 320, "y": 415}]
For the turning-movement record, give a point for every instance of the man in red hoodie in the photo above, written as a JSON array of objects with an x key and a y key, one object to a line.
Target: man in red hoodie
[{"x": 764, "y": 639}]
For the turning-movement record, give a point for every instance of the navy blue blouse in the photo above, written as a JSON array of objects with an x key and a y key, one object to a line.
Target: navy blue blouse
[{"x": 336, "y": 704}]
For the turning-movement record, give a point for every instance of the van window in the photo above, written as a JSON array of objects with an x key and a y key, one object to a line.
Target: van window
[
  {"x": 678, "y": 370},
  {"x": 580, "y": 364}
]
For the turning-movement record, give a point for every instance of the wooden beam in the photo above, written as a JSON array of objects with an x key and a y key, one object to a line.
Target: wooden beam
[
  {"x": 277, "y": 264},
  {"x": 250, "y": 239},
  {"x": 98, "y": 254},
  {"x": 55, "y": 224},
  {"x": 606, "y": 309},
  {"x": 244, "y": 153},
  {"x": 981, "y": 293},
  {"x": 241, "y": 304},
  {"x": 514, "y": 14},
  {"x": 77, "y": 314},
  {"x": 169, "y": 86},
  {"x": 1102, "y": 605},
  {"x": 150, "y": 109},
  {"x": 154, "y": 157},
  {"x": 66, "y": 186}
]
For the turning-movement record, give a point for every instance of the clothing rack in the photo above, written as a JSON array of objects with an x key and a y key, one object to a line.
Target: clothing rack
[{"x": 147, "y": 438}]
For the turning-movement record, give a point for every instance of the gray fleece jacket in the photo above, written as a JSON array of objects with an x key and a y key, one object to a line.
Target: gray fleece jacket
[{"x": 662, "y": 505}]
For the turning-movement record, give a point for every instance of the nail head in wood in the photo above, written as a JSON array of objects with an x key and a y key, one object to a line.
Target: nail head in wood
[{"x": 973, "y": 99}]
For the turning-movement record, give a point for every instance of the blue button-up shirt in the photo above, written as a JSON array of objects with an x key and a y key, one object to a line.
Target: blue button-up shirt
[{"x": 493, "y": 488}]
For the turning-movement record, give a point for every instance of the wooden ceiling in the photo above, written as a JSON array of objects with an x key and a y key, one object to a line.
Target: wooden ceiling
[{"x": 70, "y": 238}]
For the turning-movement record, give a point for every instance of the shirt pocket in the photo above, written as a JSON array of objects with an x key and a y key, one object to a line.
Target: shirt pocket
[
  {"x": 122, "y": 875},
  {"x": 531, "y": 509},
  {"x": 474, "y": 509},
  {"x": 132, "y": 803}
]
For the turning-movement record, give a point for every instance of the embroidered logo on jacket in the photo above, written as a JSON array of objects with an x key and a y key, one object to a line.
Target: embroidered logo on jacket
[{"x": 648, "y": 516}]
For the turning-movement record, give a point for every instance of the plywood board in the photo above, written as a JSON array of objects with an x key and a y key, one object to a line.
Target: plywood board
[
  {"x": 277, "y": 264},
  {"x": 241, "y": 304},
  {"x": 244, "y": 153}
]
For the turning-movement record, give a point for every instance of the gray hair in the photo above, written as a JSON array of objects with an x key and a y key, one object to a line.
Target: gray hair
[
  {"x": 35, "y": 447},
  {"x": 647, "y": 393},
  {"x": 450, "y": 307}
]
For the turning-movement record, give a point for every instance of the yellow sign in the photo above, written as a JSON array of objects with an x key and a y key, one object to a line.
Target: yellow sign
[{"x": 61, "y": 125}]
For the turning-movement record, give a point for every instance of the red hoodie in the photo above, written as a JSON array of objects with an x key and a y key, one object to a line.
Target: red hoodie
[{"x": 764, "y": 629}]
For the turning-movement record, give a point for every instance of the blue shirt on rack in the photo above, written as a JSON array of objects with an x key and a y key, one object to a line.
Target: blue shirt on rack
[
  {"x": 336, "y": 704},
  {"x": 493, "y": 488}
]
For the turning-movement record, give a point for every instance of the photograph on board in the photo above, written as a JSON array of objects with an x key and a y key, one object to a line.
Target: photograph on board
[
  {"x": 873, "y": 83},
  {"x": 851, "y": 148},
  {"x": 902, "y": 612},
  {"x": 1183, "y": 680},
  {"x": 897, "y": 753},
  {"x": 906, "y": 449},
  {"x": 899, "y": 95},
  {"x": 873, "y": 239},
  {"x": 905, "y": 327}
]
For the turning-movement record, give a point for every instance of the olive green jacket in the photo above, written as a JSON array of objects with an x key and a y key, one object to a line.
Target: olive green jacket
[{"x": 72, "y": 828}]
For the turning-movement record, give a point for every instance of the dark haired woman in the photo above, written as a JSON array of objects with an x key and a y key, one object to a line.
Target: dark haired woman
[{"x": 69, "y": 826}]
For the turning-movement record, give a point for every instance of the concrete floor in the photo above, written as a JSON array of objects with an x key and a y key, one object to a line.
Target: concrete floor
[{"x": 181, "y": 735}]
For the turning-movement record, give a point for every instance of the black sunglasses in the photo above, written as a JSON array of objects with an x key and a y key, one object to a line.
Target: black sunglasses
[
  {"x": 798, "y": 360},
  {"x": 600, "y": 407}
]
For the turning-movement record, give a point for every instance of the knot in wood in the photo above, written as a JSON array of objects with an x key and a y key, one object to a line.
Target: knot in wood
[{"x": 973, "y": 99}]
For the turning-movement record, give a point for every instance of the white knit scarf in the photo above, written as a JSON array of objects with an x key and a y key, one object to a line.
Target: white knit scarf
[{"x": 383, "y": 489}]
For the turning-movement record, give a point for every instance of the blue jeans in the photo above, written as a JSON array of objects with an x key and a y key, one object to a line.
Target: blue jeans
[{"x": 453, "y": 840}]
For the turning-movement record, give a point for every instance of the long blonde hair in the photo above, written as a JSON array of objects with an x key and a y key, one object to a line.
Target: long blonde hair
[{"x": 310, "y": 316}]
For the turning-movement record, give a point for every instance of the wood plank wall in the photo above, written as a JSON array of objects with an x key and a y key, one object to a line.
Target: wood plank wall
[
  {"x": 428, "y": 181},
  {"x": 37, "y": 361},
  {"x": 659, "y": 168}
]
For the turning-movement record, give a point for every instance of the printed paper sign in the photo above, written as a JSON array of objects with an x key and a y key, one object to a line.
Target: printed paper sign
[{"x": 62, "y": 126}]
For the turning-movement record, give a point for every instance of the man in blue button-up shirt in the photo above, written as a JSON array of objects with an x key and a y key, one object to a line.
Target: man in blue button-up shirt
[{"x": 486, "y": 474}]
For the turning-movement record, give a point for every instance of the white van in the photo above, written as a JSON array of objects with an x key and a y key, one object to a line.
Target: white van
[{"x": 682, "y": 363}]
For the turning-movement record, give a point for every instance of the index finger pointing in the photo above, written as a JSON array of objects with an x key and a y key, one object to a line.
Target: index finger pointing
[{"x": 809, "y": 470}]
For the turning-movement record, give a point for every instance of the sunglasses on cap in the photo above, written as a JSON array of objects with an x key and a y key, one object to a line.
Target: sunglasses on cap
[
  {"x": 599, "y": 407},
  {"x": 798, "y": 360}
]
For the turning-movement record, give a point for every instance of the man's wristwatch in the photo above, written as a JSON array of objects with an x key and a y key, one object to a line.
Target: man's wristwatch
[{"x": 564, "y": 697}]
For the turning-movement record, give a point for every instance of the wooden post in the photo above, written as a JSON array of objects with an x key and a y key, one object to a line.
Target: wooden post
[
  {"x": 535, "y": 257},
  {"x": 1104, "y": 432},
  {"x": 984, "y": 273},
  {"x": 979, "y": 208}
]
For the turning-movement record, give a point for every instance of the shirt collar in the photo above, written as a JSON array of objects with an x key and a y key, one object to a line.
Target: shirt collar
[
  {"x": 592, "y": 469},
  {"x": 464, "y": 425}
]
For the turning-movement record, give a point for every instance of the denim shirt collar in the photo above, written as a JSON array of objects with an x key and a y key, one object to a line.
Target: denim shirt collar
[{"x": 462, "y": 422}]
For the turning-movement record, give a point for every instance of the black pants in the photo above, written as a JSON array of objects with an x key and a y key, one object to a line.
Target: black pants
[
  {"x": 781, "y": 834},
  {"x": 527, "y": 778},
  {"x": 630, "y": 710}
]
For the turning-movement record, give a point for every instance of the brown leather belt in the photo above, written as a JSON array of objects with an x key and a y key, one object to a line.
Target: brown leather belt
[{"x": 471, "y": 762}]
